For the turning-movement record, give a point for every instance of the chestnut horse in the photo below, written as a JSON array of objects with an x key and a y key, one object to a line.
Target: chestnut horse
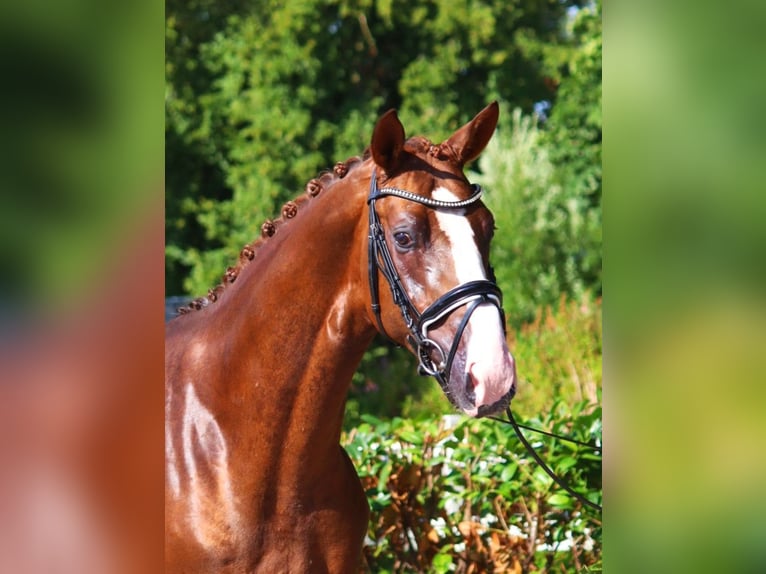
[{"x": 257, "y": 373}]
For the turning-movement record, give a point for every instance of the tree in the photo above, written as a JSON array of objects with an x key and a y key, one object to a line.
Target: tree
[
  {"x": 573, "y": 133},
  {"x": 262, "y": 95}
]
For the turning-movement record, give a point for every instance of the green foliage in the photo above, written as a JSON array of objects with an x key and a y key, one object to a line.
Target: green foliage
[
  {"x": 573, "y": 135},
  {"x": 573, "y": 131},
  {"x": 462, "y": 495},
  {"x": 261, "y": 95},
  {"x": 559, "y": 355},
  {"x": 547, "y": 233},
  {"x": 386, "y": 384},
  {"x": 544, "y": 181}
]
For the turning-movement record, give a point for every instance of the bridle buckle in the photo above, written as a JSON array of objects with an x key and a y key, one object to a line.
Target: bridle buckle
[{"x": 426, "y": 364}]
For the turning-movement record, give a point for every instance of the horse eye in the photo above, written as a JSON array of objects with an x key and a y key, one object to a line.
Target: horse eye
[{"x": 402, "y": 239}]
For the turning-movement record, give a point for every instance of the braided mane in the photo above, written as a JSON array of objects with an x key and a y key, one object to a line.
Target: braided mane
[
  {"x": 290, "y": 209},
  {"x": 269, "y": 227}
]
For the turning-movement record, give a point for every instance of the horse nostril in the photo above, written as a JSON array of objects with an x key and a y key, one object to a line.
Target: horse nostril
[{"x": 470, "y": 385}]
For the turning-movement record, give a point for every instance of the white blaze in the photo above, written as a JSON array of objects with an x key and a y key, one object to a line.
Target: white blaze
[{"x": 487, "y": 356}]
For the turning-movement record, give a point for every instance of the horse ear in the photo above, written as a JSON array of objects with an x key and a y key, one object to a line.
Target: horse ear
[
  {"x": 470, "y": 140},
  {"x": 387, "y": 141}
]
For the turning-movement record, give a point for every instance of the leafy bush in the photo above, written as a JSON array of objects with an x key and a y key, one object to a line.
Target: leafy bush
[
  {"x": 452, "y": 494},
  {"x": 559, "y": 355},
  {"x": 461, "y": 495}
]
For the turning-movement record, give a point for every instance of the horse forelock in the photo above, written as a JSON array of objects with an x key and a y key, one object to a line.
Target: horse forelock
[
  {"x": 419, "y": 145},
  {"x": 313, "y": 188}
]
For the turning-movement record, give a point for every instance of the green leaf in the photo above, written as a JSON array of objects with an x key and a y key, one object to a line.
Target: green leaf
[
  {"x": 372, "y": 420},
  {"x": 560, "y": 500},
  {"x": 565, "y": 463},
  {"x": 442, "y": 563},
  {"x": 411, "y": 437},
  {"x": 508, "y": 472},
  {"x": 383, "y": 476}
]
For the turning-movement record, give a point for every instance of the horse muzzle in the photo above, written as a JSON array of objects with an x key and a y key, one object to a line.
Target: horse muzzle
[{"x": 478, "y": 372}]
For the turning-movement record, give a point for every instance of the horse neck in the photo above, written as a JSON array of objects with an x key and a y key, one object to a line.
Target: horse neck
[{"x": 296, "y": 328}]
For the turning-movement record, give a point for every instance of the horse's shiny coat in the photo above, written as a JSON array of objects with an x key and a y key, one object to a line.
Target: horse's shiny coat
[{"x": 256, "y": 379}]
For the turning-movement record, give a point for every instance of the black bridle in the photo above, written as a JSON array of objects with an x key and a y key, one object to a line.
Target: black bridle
[{"x": 472, "y": 293}]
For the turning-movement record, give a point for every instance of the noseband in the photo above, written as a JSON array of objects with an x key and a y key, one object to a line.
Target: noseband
[{"x": 472, "y": 293}]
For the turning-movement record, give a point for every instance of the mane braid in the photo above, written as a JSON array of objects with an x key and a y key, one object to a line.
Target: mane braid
[{"x": 269, "y": 227}]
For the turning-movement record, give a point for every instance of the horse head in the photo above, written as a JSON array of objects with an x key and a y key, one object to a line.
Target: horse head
[{"x": 429, "y": 239}]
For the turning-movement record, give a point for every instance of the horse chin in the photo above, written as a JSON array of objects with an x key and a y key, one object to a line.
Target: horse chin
[
  {"x": 495, "y": 408},
  {"x": 469, "y": 407}
]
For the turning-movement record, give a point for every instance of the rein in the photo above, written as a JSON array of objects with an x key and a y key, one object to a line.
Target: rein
[
  {"x": 472, "y": 293},
  {"x": 530, "y": 449}
]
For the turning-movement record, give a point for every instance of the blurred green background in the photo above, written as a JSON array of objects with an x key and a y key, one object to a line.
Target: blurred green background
[
  {"x": 81, "y": 149},
  {"x": 81, "y": 286},
  {"x": 685, "y": 313}
]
